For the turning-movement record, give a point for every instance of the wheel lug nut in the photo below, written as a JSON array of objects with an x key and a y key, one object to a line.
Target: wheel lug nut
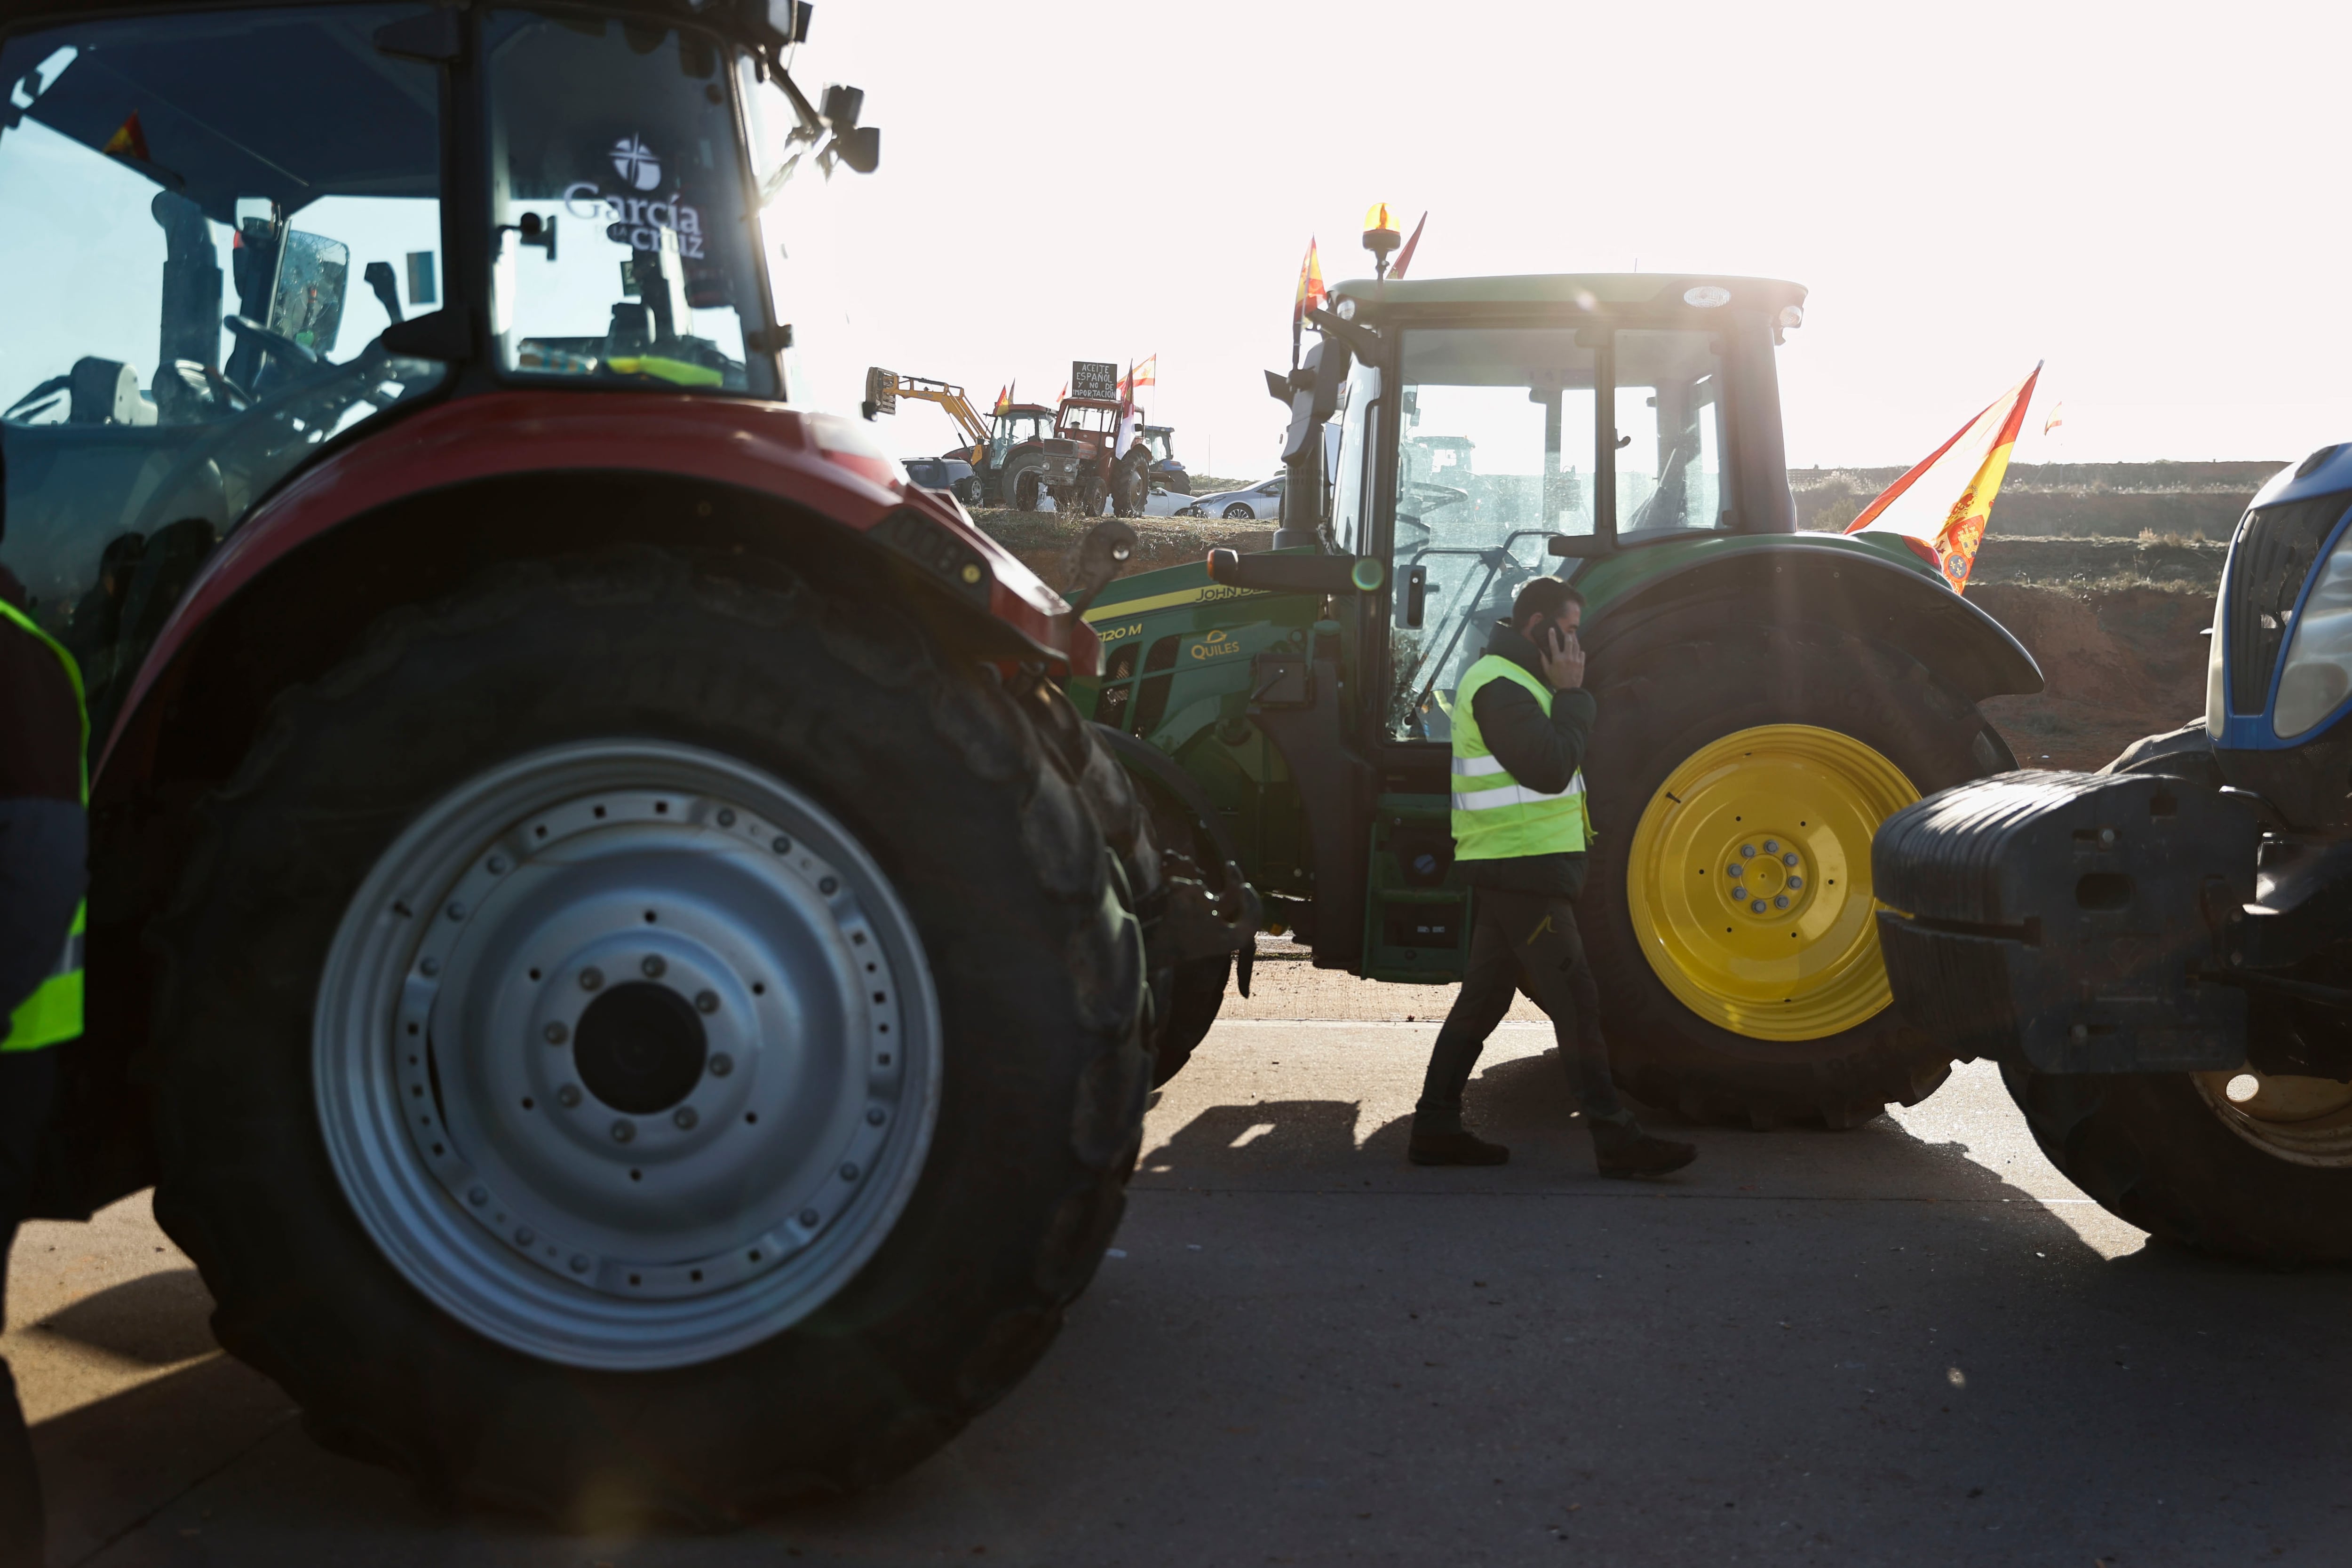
[
  {"x": 557, "y": 1034},
  {"x": 1789, "y": 858},
  {"x": 1780, "y": 901},
  {"x": 1738, "y": 894},
  {"x": 579, "y": 1263},
  {"x": 809, "y": 1217},
  {"x": 456, "y": 910},
  {"x": 478, "y": 1196},
  {"x": 590, "y": 979},
  {"x": 428, "y": 965},
  {"x": 622, "y": 1131},
  {"x": 1757, "y": 906},
  {"x": 874, "y": 1116},
  {"x": 726, "y": 819},
  {"x": 1748, "y": 851},
  {"x": 828, "y": 885},
  {"x": 654, "y": 967},
  {"x": 1796, "y": 883},
  {"x": 525, "y": 1237},
  {"x": 721, "y": 1065},
  {"x": 706, "y": 1002},
  {"x": 1771, "y": 846},
  {"x": 686, "y": 1117},
  {"x": 568, "y": 1096},
  {"x": 498, "y": 865}
]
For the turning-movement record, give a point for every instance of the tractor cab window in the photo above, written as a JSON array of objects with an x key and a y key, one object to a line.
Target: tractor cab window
[
  {"x": 1089, "y": 419},
  {"x": 624, "y": 238},
  {"x": 212, "y": 219},
  {"x": 1160, "y": 439},
  {"x": 1670, "y": 417},
  {"x": 1495, "y": 455}
]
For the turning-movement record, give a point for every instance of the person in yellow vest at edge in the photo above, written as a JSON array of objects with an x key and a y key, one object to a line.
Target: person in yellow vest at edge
[
  {"x": 1521, "y": 718},
  {"x": 44, "y": 843}
]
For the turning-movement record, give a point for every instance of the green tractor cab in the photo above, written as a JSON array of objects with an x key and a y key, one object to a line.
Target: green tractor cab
[{"x": 1767, "y": 698}]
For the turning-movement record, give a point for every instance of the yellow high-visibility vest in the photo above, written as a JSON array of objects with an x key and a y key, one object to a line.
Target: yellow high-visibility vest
[
  {"x": 52, "y": 1014},
  {"x": 1494, "y": 816}
]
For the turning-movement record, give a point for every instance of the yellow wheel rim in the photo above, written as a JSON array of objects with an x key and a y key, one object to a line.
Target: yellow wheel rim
[{"x": 1749, "y": 880}]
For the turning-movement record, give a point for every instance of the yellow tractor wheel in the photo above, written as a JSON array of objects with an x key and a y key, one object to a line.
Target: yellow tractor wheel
[
  {"x": 1749, "y": 881},
  {"x": 1736, "y": 782}
]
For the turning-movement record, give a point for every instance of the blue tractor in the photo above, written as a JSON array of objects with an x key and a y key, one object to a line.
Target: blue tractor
[{"x": 2160, "y": 954}]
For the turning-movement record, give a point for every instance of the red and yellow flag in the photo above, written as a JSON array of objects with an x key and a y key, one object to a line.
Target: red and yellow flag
[
  {"x": 1311, "y": 293},
  {"x": 128, "y": 141},
  {"x": 1404, "y": 256},
  {"x": 1004, "y": 398},
  {"x": 1146, "y": 374},
  {"x": 1920, "y": 505}
]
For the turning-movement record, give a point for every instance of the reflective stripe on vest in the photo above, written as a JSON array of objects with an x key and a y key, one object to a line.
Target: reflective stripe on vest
[
  {"x": 52, "y": 1014},
  {"x": 1494, "y": 816}
]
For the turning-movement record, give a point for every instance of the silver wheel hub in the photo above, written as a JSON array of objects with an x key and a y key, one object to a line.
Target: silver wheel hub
[{"x": 626, "y": 1054}]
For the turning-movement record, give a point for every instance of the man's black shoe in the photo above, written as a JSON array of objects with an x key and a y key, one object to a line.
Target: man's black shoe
[
  {"x": 1454, "y": 1149},
  {"x": 1638, "y": 1154}
]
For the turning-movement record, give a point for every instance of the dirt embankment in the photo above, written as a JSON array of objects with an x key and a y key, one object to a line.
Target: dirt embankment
[
  {"x": 2120, "y": 663},
  {"x": 2077, "y": 499}
]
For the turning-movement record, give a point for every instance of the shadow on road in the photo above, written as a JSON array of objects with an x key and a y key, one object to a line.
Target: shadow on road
[{"x": 159, "y": 1318}]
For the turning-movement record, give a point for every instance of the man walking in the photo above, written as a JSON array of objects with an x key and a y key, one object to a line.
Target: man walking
[
  {"x": 43, "y": 842},
  {"x": 1521, "y": 717}
]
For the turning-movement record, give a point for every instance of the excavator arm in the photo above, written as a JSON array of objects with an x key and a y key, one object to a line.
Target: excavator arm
[{"x": 885, "y": 388}]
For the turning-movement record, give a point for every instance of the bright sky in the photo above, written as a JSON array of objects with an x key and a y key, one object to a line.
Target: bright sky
[{"x": 2147, "y": 197}]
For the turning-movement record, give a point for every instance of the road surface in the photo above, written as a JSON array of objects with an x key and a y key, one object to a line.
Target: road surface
[{"x": 1913, "y": 1344}]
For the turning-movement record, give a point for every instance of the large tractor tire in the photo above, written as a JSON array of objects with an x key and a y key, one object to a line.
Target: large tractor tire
[
  {"x": 2246, "y": 1165},
  {"x": 1024, "y": 485},
  {"x": 1737, "y": 783},
  {"x": 2267, "y": 1178},
  {"x": 640, "y": 1045}
]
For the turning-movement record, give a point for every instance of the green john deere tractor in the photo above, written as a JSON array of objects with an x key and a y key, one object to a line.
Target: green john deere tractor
[{"x": 1767, "y": 698}]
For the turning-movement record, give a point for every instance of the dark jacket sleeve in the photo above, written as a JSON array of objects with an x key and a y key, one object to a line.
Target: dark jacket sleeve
[{"x": 1541, "y": 753}]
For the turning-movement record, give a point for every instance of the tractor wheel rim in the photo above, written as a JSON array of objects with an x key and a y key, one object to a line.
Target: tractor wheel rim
[
  {"x": 1749, "y": 880},
  {"x": 626, "y": 1055},
  {"x": 2302, "y": 1120}
]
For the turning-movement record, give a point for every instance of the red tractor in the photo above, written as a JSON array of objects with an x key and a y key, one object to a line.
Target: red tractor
[
  {"x": 631, "y": 981},
  {"x": 1077, "y": 466}
]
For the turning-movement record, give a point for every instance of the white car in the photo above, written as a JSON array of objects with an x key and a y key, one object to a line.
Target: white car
[{"x": 1258, "y": 501}]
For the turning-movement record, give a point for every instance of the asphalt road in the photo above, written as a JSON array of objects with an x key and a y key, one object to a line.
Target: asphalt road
[{"x": 1910, "y": 1344}]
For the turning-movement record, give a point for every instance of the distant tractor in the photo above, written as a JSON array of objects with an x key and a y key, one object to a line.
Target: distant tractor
[
  {"x": 2159, "y": 954},
  {"x": 630, "y": 979},
  {"x": 1767, "y": 699},
  {"x": 1168, "y": 470},
  {"x": 1027, "y": 452}
]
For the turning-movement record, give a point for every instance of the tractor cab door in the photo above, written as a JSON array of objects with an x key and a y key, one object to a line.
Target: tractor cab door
[{"x": 1458, "y": 474}]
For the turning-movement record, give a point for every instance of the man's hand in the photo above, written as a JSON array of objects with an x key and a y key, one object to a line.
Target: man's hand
[{"x": 1563, "y": 659}]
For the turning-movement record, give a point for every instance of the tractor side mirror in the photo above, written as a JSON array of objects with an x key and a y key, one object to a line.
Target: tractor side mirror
[
  {"x": 1282, "y": 573},
  {"x": 861, "y": 149}
]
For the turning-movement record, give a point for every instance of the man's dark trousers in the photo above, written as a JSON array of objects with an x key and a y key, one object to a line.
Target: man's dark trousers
[{"x": 1530, "y": 934}]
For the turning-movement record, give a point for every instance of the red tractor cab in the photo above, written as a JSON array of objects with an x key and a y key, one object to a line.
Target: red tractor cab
[{"x": 629, "y": 977}]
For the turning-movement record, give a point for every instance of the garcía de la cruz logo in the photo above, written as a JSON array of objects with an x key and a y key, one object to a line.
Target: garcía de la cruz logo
[{"x": 638, "y": 222}]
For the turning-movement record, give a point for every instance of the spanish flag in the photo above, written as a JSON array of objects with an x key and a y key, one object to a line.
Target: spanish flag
[
  {"x": 1146, "y": 374},
  {"x": 1004, "y": 398},
  {"x": 1921, "y": 506},
  {"x": 1311, "y": 296},
  {"x": 128, "y": 141}
]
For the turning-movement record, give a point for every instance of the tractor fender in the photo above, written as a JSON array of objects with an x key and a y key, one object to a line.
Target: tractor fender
[
  {"x": 822, "y": 467},
  {"x": 1160, "y": 774},
  {"x": 1784, "y": 580}
]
